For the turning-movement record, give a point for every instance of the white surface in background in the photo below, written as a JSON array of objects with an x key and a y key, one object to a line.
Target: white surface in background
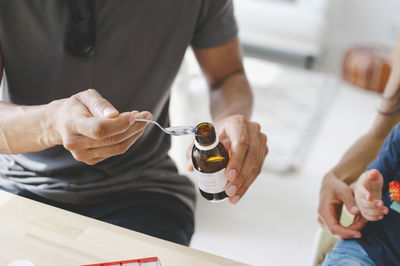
[
  {"x": 290, "y": 27},
  {"x": 21, "y": 263},
  {"x": 3, "y": 88},
  {"x": 354, "y": 23},
  {"x": 289, "y": 104},
  {"x": 275, "y": 223}
]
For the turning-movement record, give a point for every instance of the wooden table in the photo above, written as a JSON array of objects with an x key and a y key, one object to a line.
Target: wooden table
[{"x": 46, "y": 235}]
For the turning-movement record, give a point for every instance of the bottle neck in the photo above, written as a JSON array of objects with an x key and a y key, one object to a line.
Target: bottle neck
[{"x": 208, "y": 147}]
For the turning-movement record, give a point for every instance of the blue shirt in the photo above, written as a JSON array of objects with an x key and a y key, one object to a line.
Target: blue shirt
[{"x": 381, "y": 239}]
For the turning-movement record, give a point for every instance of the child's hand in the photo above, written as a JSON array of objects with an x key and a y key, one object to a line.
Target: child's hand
[{"x": 368, "y": 195}]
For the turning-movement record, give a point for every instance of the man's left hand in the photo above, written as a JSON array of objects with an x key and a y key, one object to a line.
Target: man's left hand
[{"x": 247, "y": 147}]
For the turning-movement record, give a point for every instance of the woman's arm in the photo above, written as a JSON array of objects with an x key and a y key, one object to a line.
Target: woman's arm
[
  {"x": 362, "y": 152},
  {"x": 335, "y": 191}
]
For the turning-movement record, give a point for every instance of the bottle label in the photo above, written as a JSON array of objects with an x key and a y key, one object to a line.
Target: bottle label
[{"x": 211, "y": 182}]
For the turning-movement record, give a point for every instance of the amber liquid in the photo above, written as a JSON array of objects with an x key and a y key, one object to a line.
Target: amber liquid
[{"x": 208, "y": 162}]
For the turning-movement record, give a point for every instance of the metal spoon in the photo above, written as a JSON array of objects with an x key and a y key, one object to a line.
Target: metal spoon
[{"x": 174, "y": 131}]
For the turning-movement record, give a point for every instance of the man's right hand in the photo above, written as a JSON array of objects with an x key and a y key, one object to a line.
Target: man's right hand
[
  {"x": 92, "y": 129},
  {"x": 333, "y": 194}
]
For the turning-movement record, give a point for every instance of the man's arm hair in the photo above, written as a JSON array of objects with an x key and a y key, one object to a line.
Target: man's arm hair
[
  {"x": 22, "y": 127},
  {"x": 230, "y": 92}
]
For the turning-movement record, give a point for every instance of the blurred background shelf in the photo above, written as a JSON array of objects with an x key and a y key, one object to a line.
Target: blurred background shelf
[{"x": 293, "y": 28}]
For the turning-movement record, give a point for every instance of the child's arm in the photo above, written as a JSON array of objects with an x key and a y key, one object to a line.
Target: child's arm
[{"x": 368, "y": 195}]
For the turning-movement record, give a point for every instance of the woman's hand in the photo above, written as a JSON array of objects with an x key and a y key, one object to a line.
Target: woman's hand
[{"x": 333, "y": 194}]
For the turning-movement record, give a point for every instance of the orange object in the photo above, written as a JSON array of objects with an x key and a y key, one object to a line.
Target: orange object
[
  {"x": 153, "y": 261},
  {"x": 394, "y": 190},
  {"x": 368, "y": 67}
]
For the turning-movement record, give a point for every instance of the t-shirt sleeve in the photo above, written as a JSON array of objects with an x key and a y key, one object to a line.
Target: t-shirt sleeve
[
  {"x": 388, "y": 160},
  {"x": 216, "y": 24}
]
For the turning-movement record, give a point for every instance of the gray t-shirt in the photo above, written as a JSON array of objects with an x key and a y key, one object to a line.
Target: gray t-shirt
[{"x": 139, "y": 47}]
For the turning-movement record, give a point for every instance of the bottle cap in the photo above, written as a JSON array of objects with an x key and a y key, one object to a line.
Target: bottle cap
[{"x": 205, "y": 134}]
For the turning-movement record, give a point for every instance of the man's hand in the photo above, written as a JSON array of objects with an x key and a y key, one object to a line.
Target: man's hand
[
  {"x": 247, "y": 148},
  {"x": 231, "y": 101},
  {"x": 368, "y": 195},
  {"x": 89, "y": 127},
  {"x": 333, "y": 194}
]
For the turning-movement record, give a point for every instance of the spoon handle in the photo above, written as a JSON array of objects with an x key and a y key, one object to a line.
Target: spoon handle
[
  {"x": 152, "y": 121},
  {"x": 145, "y": 120}
]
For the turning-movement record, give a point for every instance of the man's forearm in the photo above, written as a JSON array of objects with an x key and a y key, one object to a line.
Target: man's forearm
[
  {"x": 26, "y": 128},
  {"x": 1, "y": 66},
  {"x": 230, "y": 92},
  {"x": 234, "y": 96}
]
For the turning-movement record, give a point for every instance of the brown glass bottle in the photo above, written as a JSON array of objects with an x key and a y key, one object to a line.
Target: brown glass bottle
[{"x": 209, "y": 159}]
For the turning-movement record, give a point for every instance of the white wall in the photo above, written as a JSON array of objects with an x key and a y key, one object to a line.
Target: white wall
[{"x": 358, "y": 22}]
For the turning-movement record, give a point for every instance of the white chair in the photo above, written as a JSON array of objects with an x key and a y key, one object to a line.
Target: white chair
[{"x": 324, "y": 241}]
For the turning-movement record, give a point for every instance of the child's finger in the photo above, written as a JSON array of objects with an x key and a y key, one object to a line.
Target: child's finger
[
  {"x": 375, "y": 218},
  {"x": 373, "y": 212},
  {"x": 367, "y": 196},
  {"x": 385, "y": 210},
  {"x": 373, "y": 174},
  {"x": 362, "y": 190},
  {"x": 371, "y": 204},
  {"x": 378, "y": 203},
  {"x": 373, "y": 208},
  {"x": 372, "y": 215},
  {"x": 373, "y": 182}
]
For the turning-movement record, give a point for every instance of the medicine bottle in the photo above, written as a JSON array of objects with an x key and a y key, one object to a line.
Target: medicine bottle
[{"x": 210, "y": 159}]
